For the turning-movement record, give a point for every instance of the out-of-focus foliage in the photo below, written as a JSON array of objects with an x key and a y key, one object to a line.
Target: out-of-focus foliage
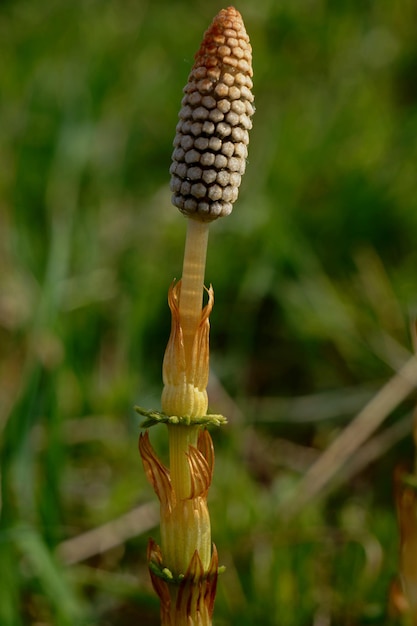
[{"x": 315, "y": 283}]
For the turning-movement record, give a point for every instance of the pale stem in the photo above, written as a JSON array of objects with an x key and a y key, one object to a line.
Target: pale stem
[
  {"x": 192, "y": 283},
  {"x": 187, "y": 527},
  {"x": 180, "y": 439}
]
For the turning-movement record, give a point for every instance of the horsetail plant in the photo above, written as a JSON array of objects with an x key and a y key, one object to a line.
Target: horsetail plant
[{"x": 208, "y": 161}]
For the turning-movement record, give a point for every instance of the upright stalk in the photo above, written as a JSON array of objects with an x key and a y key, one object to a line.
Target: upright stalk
[
  {"x": 209, "y": 158},
  {"x": 192, "y": 282}
]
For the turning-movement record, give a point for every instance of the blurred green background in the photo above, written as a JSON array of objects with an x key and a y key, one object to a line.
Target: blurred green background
[{"x": 315, "y": 286}]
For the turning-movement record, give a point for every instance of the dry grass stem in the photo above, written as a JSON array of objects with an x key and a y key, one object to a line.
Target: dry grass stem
[
  {"x": 109, "y": 535},
  {"x": 354, "y": 435}
]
